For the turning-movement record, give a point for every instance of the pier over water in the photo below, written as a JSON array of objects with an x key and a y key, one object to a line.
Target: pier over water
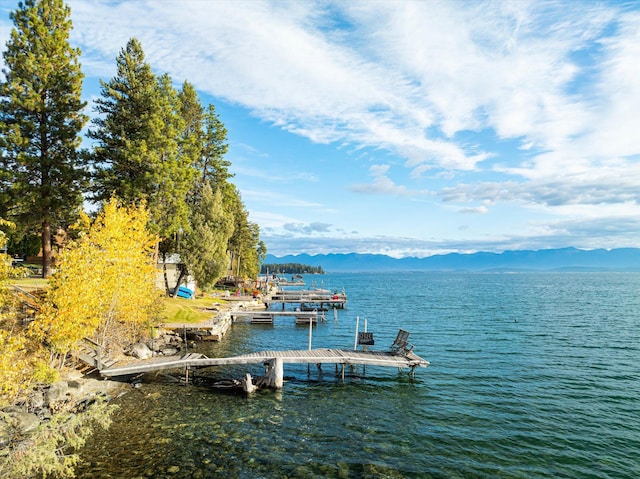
[{"x": 275, "y": 361}]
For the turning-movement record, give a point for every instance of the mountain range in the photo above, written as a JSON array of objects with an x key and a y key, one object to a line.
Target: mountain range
[{"x": 564, "y": 259}]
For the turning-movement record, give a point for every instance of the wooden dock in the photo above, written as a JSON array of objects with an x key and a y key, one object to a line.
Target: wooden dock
[
  {"x": 311, "y": 298},
  {"x": 320, "y": 303},
  {"x": 267, "y": 317},
  {"x": 275, "y": 360}
]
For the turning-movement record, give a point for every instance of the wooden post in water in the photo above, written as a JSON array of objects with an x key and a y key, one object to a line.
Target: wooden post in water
[
  {"x": 364, "y": 366},
  {"x": 247, "y": 384},
  {"x": 355, "y": 341},
  {"x": 310, "y": 334},
  {"x": 275, "y": 373}
]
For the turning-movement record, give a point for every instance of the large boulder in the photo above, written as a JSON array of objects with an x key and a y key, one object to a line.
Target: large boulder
[
  {"x": 140, "y": 351},
  {"x": 57, "y": 392},
  {"x": 167, "y": 351},
  {"x": 76, "y": 388},
  {"x": 156, "y": 344},
  {"x": 24, "y": 422}
]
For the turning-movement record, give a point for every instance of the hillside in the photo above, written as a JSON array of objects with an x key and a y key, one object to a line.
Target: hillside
[{"x": 621, "y": 259}]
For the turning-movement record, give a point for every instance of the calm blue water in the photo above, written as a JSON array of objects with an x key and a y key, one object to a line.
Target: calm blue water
[{"x": 532, "y": 375}]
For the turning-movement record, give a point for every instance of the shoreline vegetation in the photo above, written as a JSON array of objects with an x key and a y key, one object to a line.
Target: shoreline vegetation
[
  {"x": 47, "y": 409},
  {"x": 41, "y": 433},
  {"x": 159, "y": 192}
]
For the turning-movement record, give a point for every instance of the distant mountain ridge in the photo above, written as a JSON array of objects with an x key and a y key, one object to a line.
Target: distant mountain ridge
[{"x": 570, "y": 259}]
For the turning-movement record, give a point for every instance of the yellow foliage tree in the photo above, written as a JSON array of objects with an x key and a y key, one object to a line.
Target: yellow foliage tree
[
  {"x": 22, "y": 367},
  {"x": 21, "y": 364},
  {"x": 104, "y": 284}
]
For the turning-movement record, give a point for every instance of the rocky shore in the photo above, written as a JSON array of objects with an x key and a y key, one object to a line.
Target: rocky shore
[{"x": 73, "y": 392}]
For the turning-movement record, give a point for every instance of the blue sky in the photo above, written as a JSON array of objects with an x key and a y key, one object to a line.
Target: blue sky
[{"x": 406, "y": 128}]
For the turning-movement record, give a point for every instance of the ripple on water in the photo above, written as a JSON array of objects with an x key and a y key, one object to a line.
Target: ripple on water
[{"x": 531, "y": 376}]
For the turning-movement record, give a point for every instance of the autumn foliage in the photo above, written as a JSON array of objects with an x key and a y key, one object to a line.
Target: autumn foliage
[{"x": 104, "y": 284}]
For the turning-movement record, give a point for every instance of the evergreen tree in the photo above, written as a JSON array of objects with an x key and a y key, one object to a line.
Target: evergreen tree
[
  {"x": 172, "y": 173},
  {"x": 245, "y": 248},
  {"x": 159, "y": 145},
  {"x": 213, "y": 167},
  {"x": 192, "y": 114},
  {"x": 204, "y": 250},
  {"x": 40, "y": 122},
  {"x": 139, "y": 137},
  {"x": 121, "y": 154},
  {"x": 190, "y": 147}
]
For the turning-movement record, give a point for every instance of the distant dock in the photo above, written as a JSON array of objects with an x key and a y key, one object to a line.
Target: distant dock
[
  {"x": 310, "y": 299},
  {"x": 267, "y": 317}
]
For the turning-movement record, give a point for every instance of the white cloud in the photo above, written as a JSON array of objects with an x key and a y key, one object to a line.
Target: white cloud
[
  {"x": 481, "y": 210},
  {"x": 616, "y": 132},
  {"x": 398, "y": 71},
  {"x": 382, "y": 184}
]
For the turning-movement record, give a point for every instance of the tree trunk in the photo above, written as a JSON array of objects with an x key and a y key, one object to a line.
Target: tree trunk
[
  {"x": 46, "y": 249},
  {"x": 164, "y": 271},
  {"x": 183, "y": 273}
]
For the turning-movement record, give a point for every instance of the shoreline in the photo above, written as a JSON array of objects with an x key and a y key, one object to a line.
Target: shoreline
[{"x": 77, "y": 393}]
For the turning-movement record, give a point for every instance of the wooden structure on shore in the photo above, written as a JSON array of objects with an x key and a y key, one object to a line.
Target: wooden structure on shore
[
  {"x": 211, "y": 330},
  {"x": 29, "y": 301},
  {"x": 273, "y": 360}
]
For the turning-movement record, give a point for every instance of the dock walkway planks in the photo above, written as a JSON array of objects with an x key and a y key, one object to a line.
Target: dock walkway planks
[
  {"x": 268, "y": 317},
  {"x": 302, "y": 356}
]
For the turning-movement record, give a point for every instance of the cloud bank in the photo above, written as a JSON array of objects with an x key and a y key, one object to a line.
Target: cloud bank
[{"x": 476, "y": 104}]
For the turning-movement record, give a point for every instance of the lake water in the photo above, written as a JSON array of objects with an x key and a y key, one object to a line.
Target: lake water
[{"x": 532, "y": 375}]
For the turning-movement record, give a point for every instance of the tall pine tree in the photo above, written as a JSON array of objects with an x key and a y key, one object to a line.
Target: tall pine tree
[
  {"x": 245, "y": 248},
  {"x": 41, "y": 116},
  {"x": 213, "y": 167},
  {"x": 127, "y": 109},
  {"x": 139, "y": 136}
]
